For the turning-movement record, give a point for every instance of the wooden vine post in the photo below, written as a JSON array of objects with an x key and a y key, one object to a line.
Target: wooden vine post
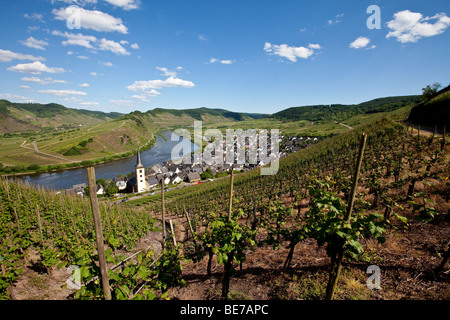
[
  {"x": 163, "y": 214},
  {"x": 38, "y": 217},
  {"x": 227, "y": 268},
  {"x": 337, "y": 265},
  {"x": 98, "y": 232},
  {"x": 230, "y": 209},
  {"x": 173, "y": 233}
]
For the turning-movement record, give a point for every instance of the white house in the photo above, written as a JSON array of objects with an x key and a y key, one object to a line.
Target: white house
[
  {"x": 121, "y": 185},
  {"x": 100, "y": 189}
]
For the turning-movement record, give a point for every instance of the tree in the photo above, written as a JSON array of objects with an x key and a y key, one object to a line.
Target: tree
[
  {"x": 430, "y": 91},
  {"x": 208, "y": 174},
  {"x": 102, "y": 182},
  {"x": 111, "y": 188}
]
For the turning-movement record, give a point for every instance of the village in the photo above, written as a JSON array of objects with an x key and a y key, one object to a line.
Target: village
[{"x": 170, "y": 174}]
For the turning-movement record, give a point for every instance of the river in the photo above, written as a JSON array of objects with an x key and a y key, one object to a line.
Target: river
[{"x": 159, "y": 153}]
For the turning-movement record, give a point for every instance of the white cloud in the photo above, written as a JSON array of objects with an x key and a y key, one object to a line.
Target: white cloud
[
  {"x": 91, "y": 42},
  {"x": 410, "y": 26},
  {"x": 15, "y": 97},
  {"x": 69, "y": 53},
  {"x": 106, "y": 64},
  {"x": 84, "y": 85},
  {"x": 145, "y": 86},
  {"x": 59, "y": 93},
  {"x": 76, "y": 2},
  {"x": 125, "y": 4},
  {"x": 42, "y": 81},
  {"x": 71, "y": 99},
  {"x": 89, "y": 103},
  {"x": 202, "y": 38},
  {"x": 336, "y": 19},
  {"x": 24, "y": 87},
  {"x": 76, "y": 39},
  {"x": 314, "y": 46},
  {"x": 92, "y": 19},
  {"x": 36, "y": 67},
  {"x": 7, "y": 56},
  {"x": 35, "y": 16},
  {"x": 289, "y": 52},
  {"x": 145, "y": 96},
  {"x": 135, "y": 46},
  {"x": 214, "y": 60},
  {"x": 115, "y": 47},
  {"x": 167, "y": 72},
  {"x": 34, "y": 43},
  {"x": 361, "y": 42},
  {"x": 83, "y": 57}
]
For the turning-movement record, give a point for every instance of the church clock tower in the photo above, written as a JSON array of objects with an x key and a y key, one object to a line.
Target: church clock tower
[{"x": 140, "y": 174}]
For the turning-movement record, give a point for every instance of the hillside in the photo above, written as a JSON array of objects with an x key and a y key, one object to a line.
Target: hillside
[
  {"x": 102, "y": 137},
  {"x": 340, "y": 112},
  {"x": 402, "y": 190},
  {"x": 403, "y": 230},
  {"x": 187, "y": 116},
  {"x": 33, "y": 116},
  {"x": 435, "y": 112}
]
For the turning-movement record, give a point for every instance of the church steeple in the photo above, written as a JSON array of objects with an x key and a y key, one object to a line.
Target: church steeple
[
  {"x": 140, "y": 174},
  {"x": 139, "y": 162}
]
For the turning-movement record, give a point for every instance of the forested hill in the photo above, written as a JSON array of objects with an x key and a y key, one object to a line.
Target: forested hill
[
  {"x": 434, "y": 112},
  {"x": 340, "y": 112},
  {"x": 200, "y": 113},
  {"x": 34, "y": 116}
]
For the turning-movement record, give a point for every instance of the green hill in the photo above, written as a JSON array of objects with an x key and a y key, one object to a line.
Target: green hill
[
  {"x": 435, "y": 112},
  {"x": 34, "y": 116},
  {"x": 201, "y": 113},
  {"x": 340, "y": 112}
]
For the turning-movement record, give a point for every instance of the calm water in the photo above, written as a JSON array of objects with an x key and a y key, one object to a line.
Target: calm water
[{"x": 161, "y": 152}]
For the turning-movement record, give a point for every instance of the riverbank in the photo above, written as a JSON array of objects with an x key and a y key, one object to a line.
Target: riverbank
[{"x": 55, "y": 168}]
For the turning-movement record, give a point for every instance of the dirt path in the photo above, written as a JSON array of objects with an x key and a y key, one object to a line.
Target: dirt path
[
  {"x": 342, "y": 124},
  {"x": 35, "y": 149}
]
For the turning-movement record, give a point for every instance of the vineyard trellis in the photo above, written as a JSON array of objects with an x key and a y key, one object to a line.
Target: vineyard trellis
[{"x": 307, "y": 199}]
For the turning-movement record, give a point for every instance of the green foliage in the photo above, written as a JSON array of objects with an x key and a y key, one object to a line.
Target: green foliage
[
  {"x": 326, "y": 223},
  {"x": 207, "y": 174},
  {"x": 430, "y": 91},
  {"x": 337, "y": 112},
  {"x": 67, "y": 228},
  {"x": 111, "y": 188},
  {"x": 33, "y": 167},
  {"x": 73, "y": 151},
  {"x": 423, "y": 208}
]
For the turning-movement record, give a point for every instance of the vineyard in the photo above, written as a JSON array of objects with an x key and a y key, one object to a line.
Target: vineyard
[{"x": 377, "y": 195}]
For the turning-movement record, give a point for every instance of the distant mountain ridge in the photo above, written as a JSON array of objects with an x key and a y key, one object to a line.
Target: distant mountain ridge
[
  {"x": 340, "y": 112},
  {"x": 197, "y": 113},
  {"x": 35, "y": 116}
]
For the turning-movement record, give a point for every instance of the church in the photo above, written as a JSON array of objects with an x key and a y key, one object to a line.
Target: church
[{"x": 138, "y": 182}]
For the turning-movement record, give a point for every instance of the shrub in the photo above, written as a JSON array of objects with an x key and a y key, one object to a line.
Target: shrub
[{"x": 33, "y": 167}]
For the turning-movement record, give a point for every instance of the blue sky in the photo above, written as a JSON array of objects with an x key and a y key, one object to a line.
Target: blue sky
[{"x": 247, "y": 55}]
